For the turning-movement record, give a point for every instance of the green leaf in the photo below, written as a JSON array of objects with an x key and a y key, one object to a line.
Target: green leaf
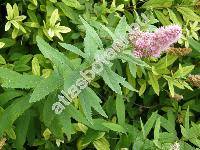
[
  {"x": 157, "y": 4},
  {"x": 113, "y": 80},
  {"x": 173, "y": 17},
  {"x": 89, "y": 99},
  {"x": 194, "y": 44},
  {"x": 133, "y": 69},
  {"x": 157, "y": 129},
  {"x": 143, "y": 87},
  {"x": 7, "y": 42},
  {"x": 12, "y": 79},
  {"x": 165, "y": 62},
  {"x": 162, "y": 17},
  {"x": 183, "y": 71},
  {"x": 111, "y": 34},
  {"x": 109, "y": 78},
  {"x": 187, "y": 123},
  {"x": 188, "y": 2},
  {"x": 149, "y": 124},
  {"x": 91, "y": 36},
  {"x": 68, "y": 12},
  {"x": 46, "y": 86},
  {"x": 114, "y": 127},
  {"x": 54, "y": 18},
  {"x": 12, "y": 112},
  {"x": 2, "y": 60},
  {"x": 70, "y": 110},
  {"x": 154, "y": 82},
  {"x": 91, "y": 136},
  {"x": 122, "y": 28},
  {"x": 7, "y": 26},
  {"x": 15, "y": 10},
  {"x": 171, "y": 87},
  {"x": 120, "y": 108},
  {"x": 101, "y": 144},
  {"x": 22, "y": 125},
  {"x": 188, "y": 14},
  {"x": 73, "y": 49},
  {"x": 15, "y": 33},
  {"x": 59, "y": 59},
  {"x": 8, "y": 95},
  {"x": 131, "y": 59},
  {"x": 9, "y": 11},
  {"x": 72, "y": 3}
]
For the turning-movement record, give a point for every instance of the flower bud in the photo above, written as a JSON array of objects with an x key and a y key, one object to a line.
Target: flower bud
[{"x": 194, "y": 80}]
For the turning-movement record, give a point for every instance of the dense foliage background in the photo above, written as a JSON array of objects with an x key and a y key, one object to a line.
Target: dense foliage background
[{"x": 139, "y": 104}]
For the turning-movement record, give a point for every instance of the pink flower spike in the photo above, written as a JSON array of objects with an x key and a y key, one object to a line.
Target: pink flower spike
[{"x": 153, "y": 44}]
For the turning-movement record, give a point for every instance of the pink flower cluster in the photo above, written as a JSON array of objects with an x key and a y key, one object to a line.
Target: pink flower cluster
[{"x": 148, "y": 44}]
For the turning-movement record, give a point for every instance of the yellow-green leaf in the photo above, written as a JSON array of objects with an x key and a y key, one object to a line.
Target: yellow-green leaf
[
  {"x": 188, "y": 14},
  {"x": 35, "y": 66},
  {"x": 2, "y": 44},
  {"x": 9, "y": 11},
  {"x": 2, "y": 60},
  {"x": 154, "y": 82}
]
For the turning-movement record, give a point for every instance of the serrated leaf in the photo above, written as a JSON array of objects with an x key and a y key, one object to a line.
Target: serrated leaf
[
  {"x": 110, "y": 80},
  {"x": 132, "y": 59},
  {"x": 122, "y": 28},
  {"x": 59, "y": 59},
  {"x": 89, "y": 99},
  {"x": 12, "y": 79},
  {"x": 73, "y": 49},
  {"x": 114, "y": 127},
  {"x": 92, "y": 41},
  {"x": 46, "y": 86}
]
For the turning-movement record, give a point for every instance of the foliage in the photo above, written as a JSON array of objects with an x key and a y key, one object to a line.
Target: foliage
[{"x": 138, "y": 104}]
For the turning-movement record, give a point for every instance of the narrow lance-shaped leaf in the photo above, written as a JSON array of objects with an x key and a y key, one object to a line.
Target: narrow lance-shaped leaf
[
  {"x": 12, "y": 79},
  {"x": 12, "y": 112},
  {"x": 154, "y": 82},
  {"x": 46, "y": 86},
  {"x": 120, "y": 108},
  {"x": 57, "y": 58}
]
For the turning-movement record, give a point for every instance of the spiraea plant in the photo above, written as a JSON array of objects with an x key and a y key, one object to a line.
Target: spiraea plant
[{"x": 145, "y": 97}]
